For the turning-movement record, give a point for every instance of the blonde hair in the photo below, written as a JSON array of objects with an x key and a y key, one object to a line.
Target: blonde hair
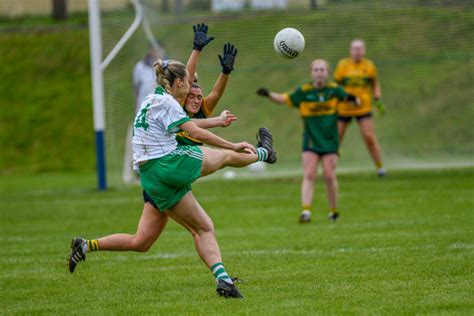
[
  {"x": 167, "y": 71},
  {"x": 358, "y": 41},
  {"x": 320, "y": 61}
]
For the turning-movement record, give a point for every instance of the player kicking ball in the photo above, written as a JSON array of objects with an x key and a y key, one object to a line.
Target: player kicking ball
[
  {"x": 317, "y": 103},
  {"x": 168, "y": 170}
]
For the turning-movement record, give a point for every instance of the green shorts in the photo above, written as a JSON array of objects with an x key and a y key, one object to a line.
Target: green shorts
[{"x": 167, "y": 179}]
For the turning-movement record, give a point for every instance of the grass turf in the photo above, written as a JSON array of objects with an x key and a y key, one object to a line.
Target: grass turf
[{"x": 404, "y": 245}]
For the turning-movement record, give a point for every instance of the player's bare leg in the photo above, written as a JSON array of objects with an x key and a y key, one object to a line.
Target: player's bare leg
[
  {"x": 191, "y": 215},
  {"x": 149, "y": 229},
  {"x": 367, "y": 131},
  {"x": 150, "y": 226},
  {"x": 310, "y": 163},
  {"x": 193, "y": 233},
  {"x": 215, "y": 159},
  {"x": 342, "y": 127},
  {"x": 332, "y": 187}
]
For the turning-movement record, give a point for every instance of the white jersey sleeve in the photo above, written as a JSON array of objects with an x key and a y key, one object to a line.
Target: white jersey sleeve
[{"x": 173, "y": 116}]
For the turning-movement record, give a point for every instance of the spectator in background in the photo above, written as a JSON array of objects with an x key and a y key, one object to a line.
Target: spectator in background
[{"x": 144, "y": 83}]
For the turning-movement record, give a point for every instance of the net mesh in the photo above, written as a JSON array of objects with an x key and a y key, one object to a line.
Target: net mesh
[{"x": 423, "y": 51}]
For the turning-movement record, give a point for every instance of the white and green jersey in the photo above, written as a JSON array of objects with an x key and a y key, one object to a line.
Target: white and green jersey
[{"x": 155, "y": 127}]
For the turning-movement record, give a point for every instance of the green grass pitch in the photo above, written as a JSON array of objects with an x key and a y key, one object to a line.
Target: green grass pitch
[{"x": 404, "y": 245}]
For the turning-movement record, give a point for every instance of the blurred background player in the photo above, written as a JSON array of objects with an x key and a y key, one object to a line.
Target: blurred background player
[
  {"x": 144, "y": 83},
  {"x": 317, "y": 102},
  {"x": 358, "y": 76}
]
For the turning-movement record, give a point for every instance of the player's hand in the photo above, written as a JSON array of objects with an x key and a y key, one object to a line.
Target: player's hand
[
  {"x": 244, "y": 147},
  {"x": 264, "y": 92},
  {"x": 200, "y": 36},
  {"x": 228, "y": 58},
  {"x": 227, "y": 118},
  {"x": 354, "y": 100},
  {"x": 380, "y": 106},
  {"x": 358, "y": 101}
]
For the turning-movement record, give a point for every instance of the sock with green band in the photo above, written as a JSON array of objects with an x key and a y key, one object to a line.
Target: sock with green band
[
  {"x": 90, "y": 245},
  {"x": 219, "y": 272},
  {"x": 262, "y": 154}
]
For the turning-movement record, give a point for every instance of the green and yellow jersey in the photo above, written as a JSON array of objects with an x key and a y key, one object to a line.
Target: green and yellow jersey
[
  {"x": 183, "y": 138},
  {"x": 357, "y": 79},
  {"x": 318, "y": 108}
]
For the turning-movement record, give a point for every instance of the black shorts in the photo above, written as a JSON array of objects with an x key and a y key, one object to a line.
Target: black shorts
[
  {"x": 348, "y": 119},
  {"x": 147, "y": 198},
  {"x": 319, "y": 153}
]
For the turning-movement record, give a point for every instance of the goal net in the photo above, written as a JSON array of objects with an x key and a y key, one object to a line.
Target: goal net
[{"x": 424, "y": 52}]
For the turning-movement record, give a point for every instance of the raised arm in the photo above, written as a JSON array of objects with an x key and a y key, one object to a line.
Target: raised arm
[
  {"x": 273, "y": 96},
  {"x": 200, "y": 41},
  {"x": 191, "y": 65},
  {"x": 227, "y": 61},
  {"x": 211, "y": 139}
]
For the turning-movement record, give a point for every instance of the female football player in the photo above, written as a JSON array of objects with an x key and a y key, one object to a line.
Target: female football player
[
  {"x": 317, "y": 103},
  {"x": 358, "y": 76},
  {"x": 167, "y": 170},
  {"x": 195, "y": 104}
]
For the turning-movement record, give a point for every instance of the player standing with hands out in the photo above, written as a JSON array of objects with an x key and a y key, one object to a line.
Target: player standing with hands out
[
  {"x": 358, "y": 76},
  {"x": 317, "y": 103}
]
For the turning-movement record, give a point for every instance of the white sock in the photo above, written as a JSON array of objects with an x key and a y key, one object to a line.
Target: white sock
[{"x": 84, "y": 248}]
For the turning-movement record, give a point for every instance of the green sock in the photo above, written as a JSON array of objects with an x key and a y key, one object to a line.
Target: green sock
[
  {"x": 262, "y": 154},
  {"x": 219, "y": 272}
]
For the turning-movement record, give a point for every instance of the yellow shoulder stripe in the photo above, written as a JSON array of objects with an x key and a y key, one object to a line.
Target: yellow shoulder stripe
[
  {"x": 205, "y": 109},
  {"x": 288, "y": 100},
  {"x": 307, "y": 87}
]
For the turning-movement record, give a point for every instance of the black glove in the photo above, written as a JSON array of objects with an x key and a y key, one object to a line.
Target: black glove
[
  {"x": 200, "y": 36},
  {"x": 264, "y": 92},
  {"x": 227, "y": 62}
]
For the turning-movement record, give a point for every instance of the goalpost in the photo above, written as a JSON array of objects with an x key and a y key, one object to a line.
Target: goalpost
[{"x": 97, "y": 70}]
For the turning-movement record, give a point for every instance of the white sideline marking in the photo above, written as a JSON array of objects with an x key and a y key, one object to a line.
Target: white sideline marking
[
  {"x": 253, "y": 253},
  {"x": 283, "y": 251},
  {"x": 461, "y": 245}
]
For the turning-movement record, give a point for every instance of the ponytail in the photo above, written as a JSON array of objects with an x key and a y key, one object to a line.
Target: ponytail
[{"x": 167, "y": 71}]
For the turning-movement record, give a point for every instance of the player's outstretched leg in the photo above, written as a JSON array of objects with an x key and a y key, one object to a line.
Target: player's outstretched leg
[
  {"x": 215, "y": 159},
  {"x": 151, "y": 224}
]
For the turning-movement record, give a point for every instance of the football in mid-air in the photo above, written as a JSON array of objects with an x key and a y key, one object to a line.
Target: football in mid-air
[{"x": 289, "y": 43}]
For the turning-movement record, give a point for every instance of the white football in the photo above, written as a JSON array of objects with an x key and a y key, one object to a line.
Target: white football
[
  {"x": 258, "y": 167},
  {"x": 229, "y": 175},
  {"x": 289, "y": 43}
]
